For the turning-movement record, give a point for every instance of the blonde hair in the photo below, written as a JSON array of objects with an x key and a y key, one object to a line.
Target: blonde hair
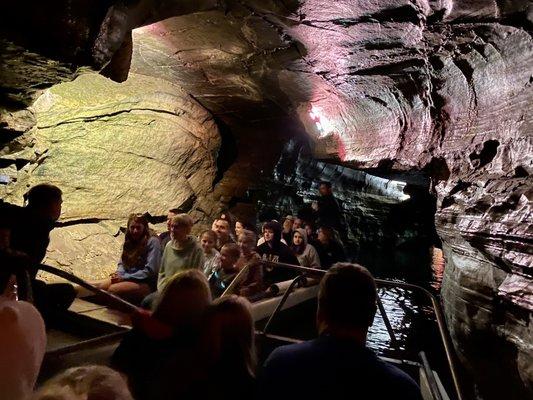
[
  {"x": 183, "y": 219},
  {"x": 191, "y": 279},
  {"x": 231, "y": 332},
  {"x": 247, "y": 235},
  {"x": 86, "y": 382}
]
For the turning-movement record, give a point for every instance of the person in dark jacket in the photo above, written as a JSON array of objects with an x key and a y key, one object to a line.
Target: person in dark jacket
[
  {"x": 337, "y": 365},
  {"x": 329, "y": 249},
  {"x": 274, "y": 250},
  {"x": 328, "y": 210},
  {"x": 26, "y": 232}
]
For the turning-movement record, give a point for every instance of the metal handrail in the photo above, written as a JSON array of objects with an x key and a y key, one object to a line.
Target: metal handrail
[
  {"x": 74, "y": 279},
  {"x": 430, "y": 376},
  {"x": 289, "y": 290},
  {"x": 441, "y": 323}
]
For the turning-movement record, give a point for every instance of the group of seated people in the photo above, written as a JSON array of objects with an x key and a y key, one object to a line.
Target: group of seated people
[
  {"x": 190, "y": 346},
  {"x": 148, "y": 261},
  {"x": 184, "y": 344}
]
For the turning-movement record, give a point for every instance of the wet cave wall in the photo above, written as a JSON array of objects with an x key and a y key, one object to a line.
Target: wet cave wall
[{"x": 191, "y": 104}]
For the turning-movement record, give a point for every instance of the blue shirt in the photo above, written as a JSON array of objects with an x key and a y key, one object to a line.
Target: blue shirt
[
  {"x": 147, "y": 268},
  {"x": 331, "y": 368}
]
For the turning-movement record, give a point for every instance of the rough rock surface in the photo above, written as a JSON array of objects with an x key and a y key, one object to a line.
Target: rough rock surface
[
  {"x": 114, "y": 149},
  {"x": 442, "y": 87}
]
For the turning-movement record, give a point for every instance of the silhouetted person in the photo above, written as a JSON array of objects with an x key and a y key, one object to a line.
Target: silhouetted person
[
  {"x": 328, "y": 209},
  {"x": 330, "y": 251},
  {"x": 26, "y": 231},
  {"x": 149, "y": 352},
  {"x": 337, "y": 365}
]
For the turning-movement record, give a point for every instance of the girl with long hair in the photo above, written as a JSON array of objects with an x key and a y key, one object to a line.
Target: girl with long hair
[{"x": 137, "y": 269}]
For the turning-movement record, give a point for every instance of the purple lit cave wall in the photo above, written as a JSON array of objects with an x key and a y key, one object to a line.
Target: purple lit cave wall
[{"x": 147, "y": 105}]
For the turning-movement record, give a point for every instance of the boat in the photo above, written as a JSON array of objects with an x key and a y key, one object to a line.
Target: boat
[{"x": 89, "y": 333}]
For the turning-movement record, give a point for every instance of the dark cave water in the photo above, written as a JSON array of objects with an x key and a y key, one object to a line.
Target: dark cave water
[{"x": 393, "y": 237}]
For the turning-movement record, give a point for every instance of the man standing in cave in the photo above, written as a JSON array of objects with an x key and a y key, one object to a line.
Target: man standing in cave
[
  {"x": 328, "y": 210},
  {"x": 26, "y": 232}
]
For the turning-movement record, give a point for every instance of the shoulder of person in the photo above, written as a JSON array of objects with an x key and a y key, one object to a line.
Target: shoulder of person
[
  {"x": 153, "y": 241},
  {"x": 399, "y": 379},
  {"x": 289, "y": 354}
]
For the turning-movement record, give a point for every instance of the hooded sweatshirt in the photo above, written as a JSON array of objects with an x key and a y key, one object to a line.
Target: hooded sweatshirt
[
  {"x": 276, "y": 251},
  {"x": 309, "y": 257},
  {"x": 22, "y": 347},
  {"x": 174, "y": 260}
]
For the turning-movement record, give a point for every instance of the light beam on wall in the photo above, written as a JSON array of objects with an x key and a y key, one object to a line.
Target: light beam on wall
[{"x": 323, "y": 125}]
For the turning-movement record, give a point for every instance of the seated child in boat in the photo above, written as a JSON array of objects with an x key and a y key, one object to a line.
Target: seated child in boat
[
  {"x": 221, "y": 278},
  {"x": 212, "y": 256}
]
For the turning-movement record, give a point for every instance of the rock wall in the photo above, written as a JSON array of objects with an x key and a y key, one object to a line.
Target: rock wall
[
  {"x": 442, "y": 87},
  {"x": 114, "y": 149}
]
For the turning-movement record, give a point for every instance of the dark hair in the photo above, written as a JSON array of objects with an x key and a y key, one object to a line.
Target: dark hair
[
  {"x": 233, "y": 248},
  {"x": 43, "y": 195},
  {"x": 347, "y": 296},
  {"x": 133, "y": 250},
  {"x": 246, "y": 224},
  {"x": 329, "y": 231},
  {"x": 275, "y": 227},
  {"x": 325, "y": 183}
]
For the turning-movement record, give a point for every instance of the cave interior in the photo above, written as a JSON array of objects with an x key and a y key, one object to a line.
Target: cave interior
[{"x": 418, "y": 112}]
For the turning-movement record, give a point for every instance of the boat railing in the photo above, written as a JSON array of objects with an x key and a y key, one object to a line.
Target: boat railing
[
  {"x": 120, "y": 303},
  {"x": 110, "y": 298},
  {"x": 305, "y": 271}
]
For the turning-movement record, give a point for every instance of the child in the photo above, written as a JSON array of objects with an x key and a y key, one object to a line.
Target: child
[
  {"x": 224, "y": 275},
  {"x": 252, "y": 282},
  {"x": 208, "y": 240}
]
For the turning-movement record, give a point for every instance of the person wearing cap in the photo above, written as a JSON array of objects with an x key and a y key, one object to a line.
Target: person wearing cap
[{"x": 222, "y": 227}]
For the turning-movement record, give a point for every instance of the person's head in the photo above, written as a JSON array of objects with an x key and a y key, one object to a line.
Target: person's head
[
  {"x": 23, "y": 344},
  {"x": 346, "y": 301},
  {"x": 221, "y": 228},
  {"x": 229, "y": 254},
  {"x": 46, "y": 200},
  {"x": 228, "y": 335},
  {"x": 299, "y": 241},
  {"x": 288, "y": 223},
  {"x": 239, "y": 227},
  {"x": 180, "y": 227},
  {"x": 325, "y": 234},
  {"x": 324, "y": 188},
  {"x": 208, "y": 240},
  {"x": 85, "y": 383},
  {"x": 137, "y": 234},
  {"x": 272, "y": 232},
  {"x": 309, "y": 230},
  {"x": 183, "y": 299},
  {"x": 247, "y": 241},
  {"x": 171, "y": 214},
  {"x": 137, "y": 228},
  {"x": 297, "y": 224}
]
